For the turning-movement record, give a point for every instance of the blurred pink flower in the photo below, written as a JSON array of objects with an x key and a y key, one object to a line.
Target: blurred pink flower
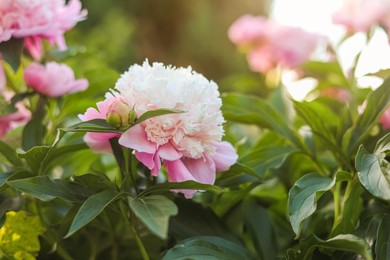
[
  {"x": 340, "y": 94},
  {"x": 11, "y": 120},
  {"x": 188, "y": 144},
  {"x": 53, "y": 80},
  {"x": 99, "y": 142},
  {"x": 247, "y": 29},
  {"x": 271, "y": 44},
  {"x": 385, "y": 119},
  {"x": 37, "y": 20},
  {"x": 361, "y": 15}
]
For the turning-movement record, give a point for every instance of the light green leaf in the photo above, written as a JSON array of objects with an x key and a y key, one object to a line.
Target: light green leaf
[
  {"x": 303, "y": 197},
  {"x": 383, "y": 145},
  {"x": 19, "y": 236},
  {"x": 186, "y": 185},
  {"x": 46, "y": 189},
  {"x": 373, "y": 172},
  {"x": 382, "y": 245},
  {"x": 207, "y": 248},
  {"x": 34, "y": 130},
  {"x": 154, "y": 211},
  {"x": 91, "y": 208}
]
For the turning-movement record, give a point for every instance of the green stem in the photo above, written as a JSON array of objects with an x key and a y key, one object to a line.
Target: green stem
[
  {"x": 336, "y": 198},
  {"x": 137, "y": 238}
]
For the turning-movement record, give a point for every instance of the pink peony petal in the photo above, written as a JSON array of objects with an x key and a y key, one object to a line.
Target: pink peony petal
[
  {"x": 224, "y": 157},
  {"x": 168, "y": 152},
  {"x": 135, "y": 138}
]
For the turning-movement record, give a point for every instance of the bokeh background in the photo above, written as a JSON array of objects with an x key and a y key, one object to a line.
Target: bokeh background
[{"x": 181, "y": 33}]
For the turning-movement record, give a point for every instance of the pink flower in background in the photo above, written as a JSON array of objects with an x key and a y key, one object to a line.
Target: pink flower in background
[
  {"x": 99, "y": 142},
  {"x": 361, "y": 15},
  {"x": 10, "y": 121},
  {"x": 385, "y": 119},
  {"x": 272, "y": 44},
  {"x": 53, "y": 80},
  {"x": 247, "y": 29},
  {"x": 188, "y": 144},
  {"x": 39, "y": 19}
]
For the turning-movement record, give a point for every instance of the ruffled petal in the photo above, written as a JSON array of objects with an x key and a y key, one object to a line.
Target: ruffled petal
[{"x": 224, "y": 157}]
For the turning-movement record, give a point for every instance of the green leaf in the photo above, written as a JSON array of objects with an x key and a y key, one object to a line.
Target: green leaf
[
  {"x": 96, "y": 182},
  {"x": 252, "y": 110},
  {"x": 154, "y": 211},
  {"x": 260, "y": 226},
  {"x": 303, "y": 197},
  {"x": 94, "y": 125},
  {"x": 383, "y": 145},
  {"x": 265, "y": 158},
  {"x": 91, "y": 208},
  {"x": 34, "y": 130},
  {"x": 377, "y": 102},
  {"x": 35, "y": 157},
  {"x": 330, "y": 72},
  {"x": 373, "y": 172},
  {"x": 346, "y": 242},
  {"x": 186, "y": 185},
  {"x": 19, "y": 236},
  {"x": 349, "y": 216},
  {"x": 382, "y": 245},
  {"x": 10, "y": 154},
  {"x": 46, "y": 189},
  {"x": 156, "y": 112},
  {"x": 206, "y": 247},
  {"x": 12, "y": 51}
]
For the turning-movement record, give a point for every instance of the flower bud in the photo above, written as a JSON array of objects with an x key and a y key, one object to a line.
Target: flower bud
[{"x": 119, "y": 114}]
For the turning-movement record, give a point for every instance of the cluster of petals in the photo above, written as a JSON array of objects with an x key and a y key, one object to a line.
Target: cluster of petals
[
  {"x": 188, "y": 144},
  {"x": 35, "y": 20},
  {"x": 269, "y": 44},
  {"x": 362, "y": 15},
  {"x": 53, "y": 79}
]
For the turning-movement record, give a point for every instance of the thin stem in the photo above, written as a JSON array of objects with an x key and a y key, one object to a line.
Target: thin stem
[
  {"x": 336, "y": 198},
  {"x": 133, "y": 230}
]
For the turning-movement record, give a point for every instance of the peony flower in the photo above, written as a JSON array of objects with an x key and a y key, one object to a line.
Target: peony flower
[
  {"x": 247, "y": 29},
  {"x": 53, "y": 80},
  {"x": 188, "y": 144},
  {"x": 39, "y": 19},
  {"x": 384, "y": 120},
  {"x": 272, "y": 44},
  {"x": 99, "y": 142},
  {"x": 119, "y": 113},
  {"x": 361, "y": 15}
]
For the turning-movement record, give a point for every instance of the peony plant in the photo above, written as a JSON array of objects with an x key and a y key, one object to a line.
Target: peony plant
[{"x": 155, "y": 163}]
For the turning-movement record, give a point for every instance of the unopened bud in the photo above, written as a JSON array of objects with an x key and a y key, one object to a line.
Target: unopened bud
[{"x": 119, "y": 113}]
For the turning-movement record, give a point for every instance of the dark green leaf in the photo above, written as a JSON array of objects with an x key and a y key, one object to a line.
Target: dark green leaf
[
  {"x": 12, "y": 51},
  {"x": 96, "y": 182},
  {"x": 253, "y": 110},
  {"x": 207, "y": 247},
  {"x": 373, "y": 172},
  {"x": 10, "y": 154},
  {"x": 91, "y": 208},
  {"x": 349, "y": 217},
  {"x": 35, "y": 157},
  {"x": 154, "y": 211},
  {"x": 157, "y": 112},
  {"x": 4, "y": 177},
  {"x": 347, "y": 242},
  {"x": 34, "y": 130},
  {"x": 264, "y": 158},
  {"x": 46, "y": 189},
  {"x": 377, "y": 102},
  {"x": 382, "y": 246},
  {"x": 94, "y": 125},
  {"x": 303, "y": 197},
  {"x": 186, "y": 185},
  {"x": 261, "y": 228}
]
